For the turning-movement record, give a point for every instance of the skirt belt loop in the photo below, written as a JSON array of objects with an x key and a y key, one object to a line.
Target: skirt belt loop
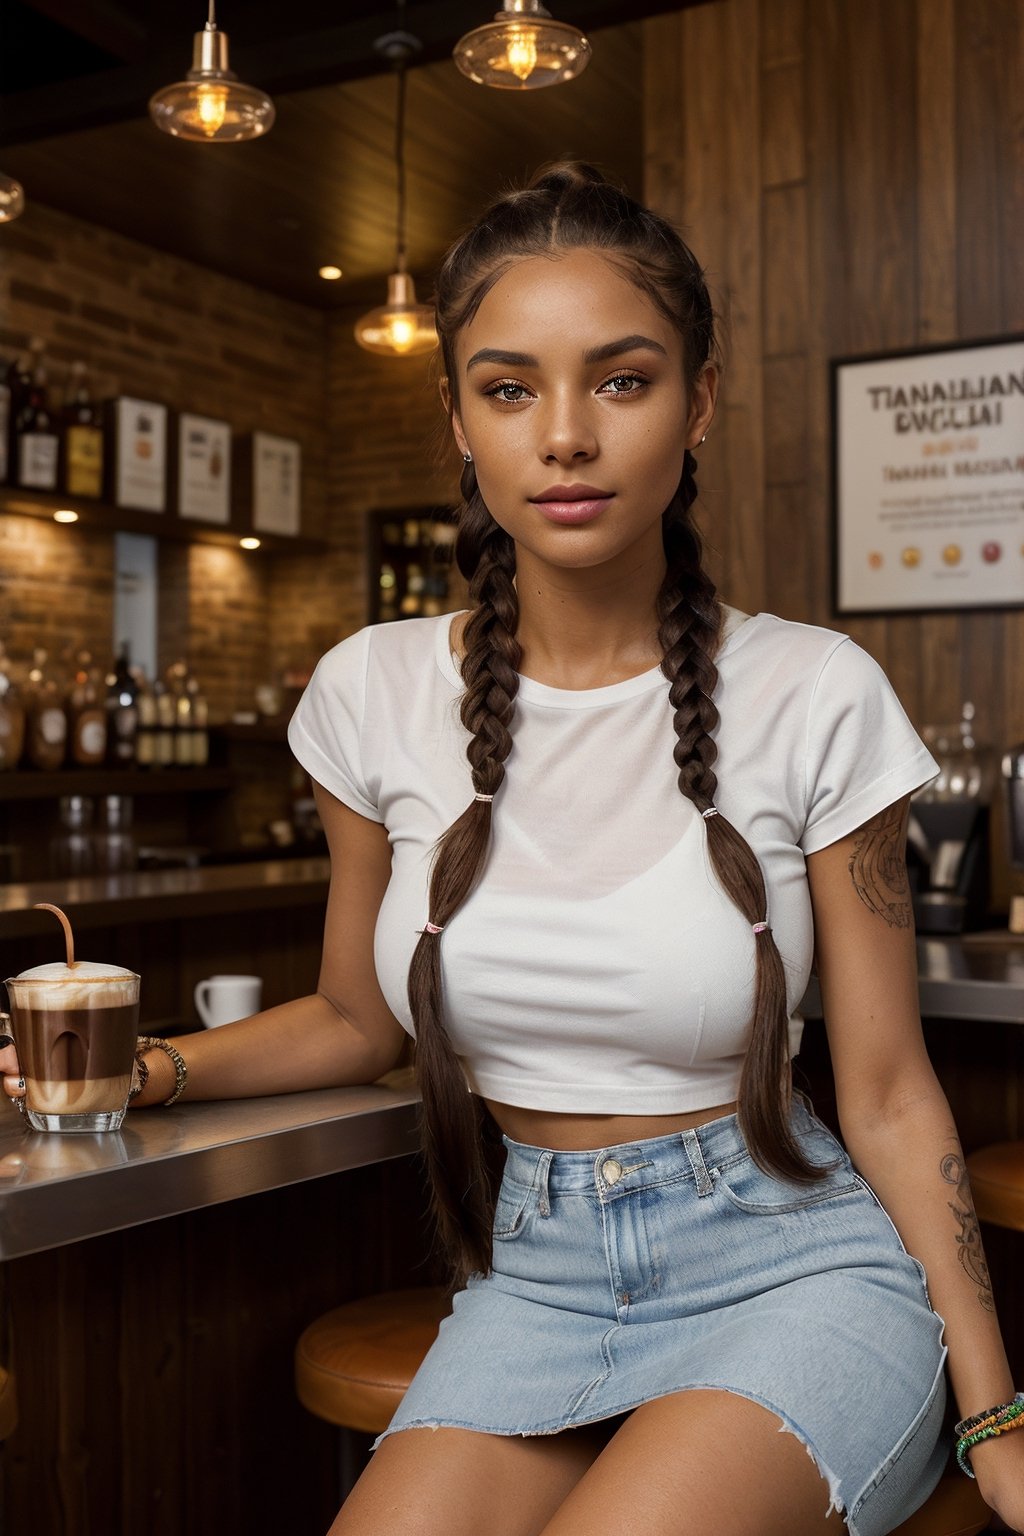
[
  {"x": 700, "y": 1169},
  {"x": 541, "y": 1179}
]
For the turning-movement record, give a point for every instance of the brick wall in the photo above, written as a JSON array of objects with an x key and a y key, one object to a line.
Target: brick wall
[
  {"x": 148, "y": 324},
  {"x": 152, "y": 325}
]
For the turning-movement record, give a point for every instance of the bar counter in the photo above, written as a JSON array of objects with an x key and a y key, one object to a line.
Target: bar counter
[
  {"x": 57, "y": 1189},
  {"x": 976, "y": 978}
]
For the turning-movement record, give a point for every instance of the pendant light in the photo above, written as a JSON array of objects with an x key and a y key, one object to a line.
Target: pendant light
[
  {"x": 401, "y": 327},
  {"x": 522, "y": 49},
  {"x": 12, "y": 199},
  {"x": 211, "y": 105}
]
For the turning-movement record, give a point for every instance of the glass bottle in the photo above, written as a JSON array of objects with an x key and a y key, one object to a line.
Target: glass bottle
[
  {"x": 81, "y": 460},
  {"x": 148, "y": 727},
  {"x": 122, "y": 712},
  {"x": 46, "y": 726},
  {"x": 36, "y": 439},
  {"x": 163, "y": 755},
  {"x": 179, "y": 679},
  {"x": 19, "y": 383},
  {"x": 87, "y": 718},
  {"x": 12, "y": 716},
  {"x": 200, "y": 725}
]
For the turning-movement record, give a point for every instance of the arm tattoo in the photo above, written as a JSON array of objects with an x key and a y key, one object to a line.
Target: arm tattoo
[
  {"x": 972, "y": 1255},
  {"x": 878, "y": 868}
]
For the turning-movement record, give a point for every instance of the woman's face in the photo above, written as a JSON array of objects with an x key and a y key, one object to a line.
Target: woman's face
[{"x": 572, "y": 400}]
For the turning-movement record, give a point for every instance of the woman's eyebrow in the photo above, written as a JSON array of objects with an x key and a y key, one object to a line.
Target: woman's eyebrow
[
  {"x": 627, "y": 344},
  {"x": 592, "y": 355}
]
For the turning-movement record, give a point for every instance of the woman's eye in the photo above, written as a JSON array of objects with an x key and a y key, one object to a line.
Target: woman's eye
[
  {"x": 508, "y": 392},
  {"x": 625, "y": 384}
]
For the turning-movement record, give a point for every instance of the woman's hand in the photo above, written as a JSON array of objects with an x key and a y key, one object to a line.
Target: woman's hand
[
  {"x": 10, "y": 1068},
  {"x": 998, "y": 1465}
]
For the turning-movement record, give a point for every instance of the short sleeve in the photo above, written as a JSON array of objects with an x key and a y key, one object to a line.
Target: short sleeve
[
  {"x": 326, "y": 730},
  {"x": 862, "y": 751}
]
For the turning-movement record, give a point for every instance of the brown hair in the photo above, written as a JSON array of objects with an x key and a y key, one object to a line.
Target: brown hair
[{"x": 571, "y": 206}]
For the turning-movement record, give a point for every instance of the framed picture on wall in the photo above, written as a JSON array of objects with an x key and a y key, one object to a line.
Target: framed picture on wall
[{"x": 928, "y": 478}]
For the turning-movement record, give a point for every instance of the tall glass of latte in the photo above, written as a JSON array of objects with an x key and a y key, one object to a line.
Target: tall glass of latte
[{"x": 75, "y": 1029}]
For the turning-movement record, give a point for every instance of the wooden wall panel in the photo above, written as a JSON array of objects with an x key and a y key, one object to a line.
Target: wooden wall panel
[{"x": 888, "y": 139}]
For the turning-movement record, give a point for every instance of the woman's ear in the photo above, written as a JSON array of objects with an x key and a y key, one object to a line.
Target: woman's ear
[
  {"x": 703, "y": 398},
  {"x": 448, "y": 401}
]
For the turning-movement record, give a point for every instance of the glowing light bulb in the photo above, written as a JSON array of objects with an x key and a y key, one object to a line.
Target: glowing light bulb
[
  {"x": 211, "y": 108},
  {"x": 65, "y": 515},
  {"x": 522, "y": 53},
  {"x": 403, "y": 332}
]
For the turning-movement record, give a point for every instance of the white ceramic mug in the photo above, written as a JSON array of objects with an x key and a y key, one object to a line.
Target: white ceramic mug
[{"x": 220, "y": 999}]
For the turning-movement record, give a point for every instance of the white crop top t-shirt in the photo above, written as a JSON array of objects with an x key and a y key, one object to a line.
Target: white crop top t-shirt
[{"x": 598, "y": 967}]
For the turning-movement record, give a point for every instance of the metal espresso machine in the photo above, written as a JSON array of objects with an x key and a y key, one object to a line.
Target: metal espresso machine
[
  {"x": 1013, "y": 780},
  {"x": 948, "y": 833}
]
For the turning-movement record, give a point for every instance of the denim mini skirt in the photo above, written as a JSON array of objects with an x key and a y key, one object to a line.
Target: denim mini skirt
[{"x": 675, "y": 1263}]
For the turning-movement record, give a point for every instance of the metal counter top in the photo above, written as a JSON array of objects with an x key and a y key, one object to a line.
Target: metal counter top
[
  {"x": 978, "y": 978},
  {"x": 57, "y": 1189}
]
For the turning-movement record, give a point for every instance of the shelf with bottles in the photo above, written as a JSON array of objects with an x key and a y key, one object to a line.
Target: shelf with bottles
[
  {"x": 132, "y": 466},
  {"x": 411, "y": 563},
  {"x": 61, "y": 725}
]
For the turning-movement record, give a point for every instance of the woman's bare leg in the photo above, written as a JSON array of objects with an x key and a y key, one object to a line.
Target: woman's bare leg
[
  {"x": 694, "y": 1463},
  {"x": 459, "y": 1482}
]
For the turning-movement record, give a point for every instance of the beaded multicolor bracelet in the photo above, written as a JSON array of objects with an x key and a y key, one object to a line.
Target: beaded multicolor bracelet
[{"x": 986, "y": 1426}]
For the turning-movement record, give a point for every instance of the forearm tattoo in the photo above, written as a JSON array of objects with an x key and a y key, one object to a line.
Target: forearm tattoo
[
  {"x": 878, "y": 867},
  {"x": 968, "y": 1240}
]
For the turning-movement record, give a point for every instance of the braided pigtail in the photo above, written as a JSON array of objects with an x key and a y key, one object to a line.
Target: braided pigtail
[
  {"x": 453, "y": 1118},
  {"x": 690, "y": 630}
]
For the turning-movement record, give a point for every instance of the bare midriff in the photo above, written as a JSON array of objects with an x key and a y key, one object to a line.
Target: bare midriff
[{"x": 580, "y": 1133}]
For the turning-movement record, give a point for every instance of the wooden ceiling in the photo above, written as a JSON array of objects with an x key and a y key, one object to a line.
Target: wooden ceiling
[{"x": 75, "y": 77}]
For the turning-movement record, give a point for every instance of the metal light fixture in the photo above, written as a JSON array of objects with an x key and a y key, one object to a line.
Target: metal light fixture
[
  {"x": 522, "y": 49},
  {"x": 12, "y": 199},
  {"x": 401, "y": 327},
  {"x": 211, "y": 104}
]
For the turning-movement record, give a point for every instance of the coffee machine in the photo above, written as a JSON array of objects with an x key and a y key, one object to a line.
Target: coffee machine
[
  {"x": 948, "y": 833},
  {"x": 1013, "y": 779}
]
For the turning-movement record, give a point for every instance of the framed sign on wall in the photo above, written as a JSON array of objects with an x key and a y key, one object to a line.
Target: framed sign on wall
[{"x": 928, "y": 478}]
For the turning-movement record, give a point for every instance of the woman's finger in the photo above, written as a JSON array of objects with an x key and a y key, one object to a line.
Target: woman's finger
[{"x": 14, "y": 1085}]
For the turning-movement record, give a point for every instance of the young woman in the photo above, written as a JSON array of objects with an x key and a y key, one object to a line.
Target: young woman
[{"x": 586, "y": 838}]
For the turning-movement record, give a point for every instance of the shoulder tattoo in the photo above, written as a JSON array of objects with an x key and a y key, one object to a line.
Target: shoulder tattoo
[
  {"x": 968, "y": 1238},
  {"x": 878, "y": 867}
]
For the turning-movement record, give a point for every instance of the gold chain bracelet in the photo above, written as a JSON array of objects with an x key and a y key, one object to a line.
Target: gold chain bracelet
[{"x": 155, "y": 1042}]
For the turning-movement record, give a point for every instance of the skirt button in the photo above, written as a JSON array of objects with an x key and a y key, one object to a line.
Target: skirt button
[{"x": 611, "y": 1171}]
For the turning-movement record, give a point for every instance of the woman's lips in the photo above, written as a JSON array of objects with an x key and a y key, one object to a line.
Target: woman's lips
[{"x": 582, "y": 511}]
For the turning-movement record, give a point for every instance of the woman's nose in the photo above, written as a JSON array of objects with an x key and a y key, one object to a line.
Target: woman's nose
[{"x": 567, "y": 434}]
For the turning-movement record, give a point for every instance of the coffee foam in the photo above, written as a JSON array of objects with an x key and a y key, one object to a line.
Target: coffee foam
[{"x": 76, "y": 986}]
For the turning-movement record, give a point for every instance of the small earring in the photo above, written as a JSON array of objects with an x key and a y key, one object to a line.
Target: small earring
[
  {"x": 703, "y": 439},
  {"x": 467, "y": 458}
]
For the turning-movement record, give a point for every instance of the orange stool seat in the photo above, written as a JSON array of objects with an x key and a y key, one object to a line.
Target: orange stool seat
[
  {"x": 956, "y": 1508},
  {"x": 997, "y": 1183},
  {"x": 354, "y": 1364}
]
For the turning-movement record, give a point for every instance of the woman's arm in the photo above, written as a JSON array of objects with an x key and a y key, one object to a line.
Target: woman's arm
[
  {"x": 896, "y": 1121},
  {"x": 342, "y": 1033}
]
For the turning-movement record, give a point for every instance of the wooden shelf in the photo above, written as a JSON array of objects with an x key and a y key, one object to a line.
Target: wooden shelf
[
  {"x": 160, "y": 525},
  {"x": 29, "y": 785}
]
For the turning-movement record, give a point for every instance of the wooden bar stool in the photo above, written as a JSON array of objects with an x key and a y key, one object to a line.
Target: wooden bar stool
[
  {"x": 353, "y": 1365},
  {"x": 997, "y": 1183}
]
